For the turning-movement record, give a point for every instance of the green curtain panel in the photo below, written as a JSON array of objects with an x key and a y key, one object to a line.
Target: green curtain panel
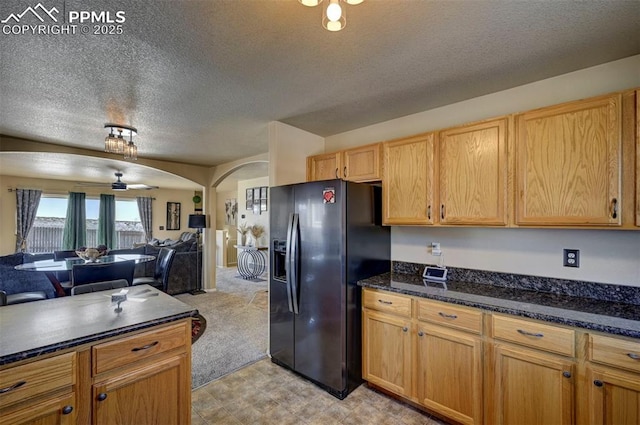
[
  {"x": 75, "y": 225},
  {"x": 107, "y": 221}
]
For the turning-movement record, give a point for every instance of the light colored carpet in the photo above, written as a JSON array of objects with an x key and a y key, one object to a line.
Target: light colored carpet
[{"x": 237, "y": 326}]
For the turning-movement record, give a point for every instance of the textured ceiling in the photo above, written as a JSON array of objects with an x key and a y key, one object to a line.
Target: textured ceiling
[{"x": 202, "y": 79}]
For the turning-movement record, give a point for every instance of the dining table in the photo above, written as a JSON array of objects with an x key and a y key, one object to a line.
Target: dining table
[{"x": 50, "y": 267}]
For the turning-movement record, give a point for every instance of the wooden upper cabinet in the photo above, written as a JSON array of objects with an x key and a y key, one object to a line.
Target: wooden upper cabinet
[
  {"x": 362, "y": 164},
  {"x": 568, "y": 166},
  {"x": 473, "y": 173},
  {"x": 408, "y": 181},
  {"x": 324, "y": 167}
]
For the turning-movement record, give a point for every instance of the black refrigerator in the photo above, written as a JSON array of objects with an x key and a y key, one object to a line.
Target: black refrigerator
[{"x": 325, "y": 236}]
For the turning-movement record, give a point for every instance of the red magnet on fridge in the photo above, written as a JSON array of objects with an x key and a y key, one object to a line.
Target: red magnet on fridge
[{"x": 329, "y": 195}]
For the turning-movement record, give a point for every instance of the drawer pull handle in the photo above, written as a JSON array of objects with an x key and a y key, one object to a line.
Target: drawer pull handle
[
  {"x": 12, "y": 387},
  {"x": 614, "y": 208},
  {"x": 345, "y": 172},
  {"x": 145, "y": 347},
  {"x": 429, "y": 212},
  {"x": 337, "y": 175},
  {"x": 566, "y": 374},
  {"x": 385, "y": 302},
  {"x": 420, "y": 333},
  {"x": 67, "y": 409},
  {"x": 634, "y": 356},
  {"x": 447, "y": 316},
  {"x": 598, "y": 383},
  {"x": 538, "y": 335},
  {"x": 102, "y": 396}
]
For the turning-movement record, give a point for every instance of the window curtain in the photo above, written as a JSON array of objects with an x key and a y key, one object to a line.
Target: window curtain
[
  {"x": 75, "y": 224},
  {"x": 27, "y": 202},
  {"x": 107, "y": 221},
  {"x": 145, "y": 210}
]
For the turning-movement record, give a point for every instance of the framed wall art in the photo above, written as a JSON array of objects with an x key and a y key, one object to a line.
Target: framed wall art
[{"x": 173, "y": 215}]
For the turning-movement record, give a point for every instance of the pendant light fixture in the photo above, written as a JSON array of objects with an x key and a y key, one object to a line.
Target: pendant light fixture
[
  {"x": 118, "y": 144},
  {"x": 333, "y": 16}
]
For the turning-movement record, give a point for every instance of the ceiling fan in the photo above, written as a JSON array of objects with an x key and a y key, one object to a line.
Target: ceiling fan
[{"x": 119, "y": 185}]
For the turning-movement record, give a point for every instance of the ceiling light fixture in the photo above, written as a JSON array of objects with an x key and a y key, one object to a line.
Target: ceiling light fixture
[
  {"x": 333, "y": 17},
  {"x": 118, "y": 144}
]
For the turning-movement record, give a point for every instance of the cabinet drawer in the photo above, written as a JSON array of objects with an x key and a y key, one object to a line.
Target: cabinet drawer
[
  {"x": 450, "y": 315},
  {"x": 36, "y": 378},
  {"x": 125, "y": 351},
  {"x": 533, "y": 334},
  {"x": 386, "y": 301},
  {"x": 615, "y": 352}
]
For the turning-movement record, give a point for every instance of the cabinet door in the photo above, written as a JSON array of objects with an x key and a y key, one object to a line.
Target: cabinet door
[
  {"x": 614, "y": 397},
  {"x": 531, "y": 388},
  {"x": 568, "y": 164},
  {"x": 408, "y": 181},
  {"x": 324, "y": 167},
  {"x": 449, "y": 371},
  {"x": 155, "y": 394},
  {"x": 362, "y": 164},
  {"x": 473, "y": 173},
  {"x": 386, "y": 346},
  {"x": 54, "y": 411}
]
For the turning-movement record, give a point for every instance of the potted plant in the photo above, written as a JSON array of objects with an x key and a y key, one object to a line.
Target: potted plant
[{"x": 243, "y": 229}]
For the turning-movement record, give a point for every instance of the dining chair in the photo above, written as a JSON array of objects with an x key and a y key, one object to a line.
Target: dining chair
[
  {"x": 99, "y": 286},
  {"x": 82, "y": 274},
  {"x": 64, "y": 277},
  {"x": 160, "y": 278}
]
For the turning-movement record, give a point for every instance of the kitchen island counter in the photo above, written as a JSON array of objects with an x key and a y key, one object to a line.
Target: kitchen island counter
[
  {"x": 613, "y": 317},
  {"x": 33, "y": 329}
]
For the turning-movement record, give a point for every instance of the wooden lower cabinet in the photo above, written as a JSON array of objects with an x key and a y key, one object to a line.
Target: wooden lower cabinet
[
  {"x": 614, "y": 396},
  {"x": 387, "y": 351},
  {"x": 530, "y": 387},
  {"x": 143, "y": 378},
  {"x": 57, "y": 410},
  {"x": 152, "y": 394},
  {"x": 449, "y": 373}
]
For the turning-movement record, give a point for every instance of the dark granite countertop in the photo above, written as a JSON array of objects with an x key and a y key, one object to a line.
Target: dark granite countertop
[
  {"x": 604, "y": 316},
  {"x": 32, "y": 329}
]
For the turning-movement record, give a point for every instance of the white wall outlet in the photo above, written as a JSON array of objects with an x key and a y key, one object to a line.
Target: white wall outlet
[{"x": 435, "y": 249}]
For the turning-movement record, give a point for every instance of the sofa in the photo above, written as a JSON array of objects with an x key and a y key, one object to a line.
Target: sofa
[
  {"x": 21, "y": 285},
  {"x": 184, "y": 269}
]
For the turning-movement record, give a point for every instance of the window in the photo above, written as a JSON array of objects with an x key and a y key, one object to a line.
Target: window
[{"x": 48, "y": 227}]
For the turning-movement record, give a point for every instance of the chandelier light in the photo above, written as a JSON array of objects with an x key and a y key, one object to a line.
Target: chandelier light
[
  {"x": 118, "y": 144},
  {"x": 333, "y": 16}
]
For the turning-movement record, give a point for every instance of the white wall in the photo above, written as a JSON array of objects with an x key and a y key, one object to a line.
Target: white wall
[
  {"x": 162, "y": 196},
  {"x": 249, "y": 217},
  {"x": 607, "y": 256},
  {"x": 288, "y": 149}
]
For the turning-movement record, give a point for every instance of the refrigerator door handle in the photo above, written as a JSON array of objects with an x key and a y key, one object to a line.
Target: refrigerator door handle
[
  {"x": 295, "y": 237},
  {"x": 288, "y": 263}
]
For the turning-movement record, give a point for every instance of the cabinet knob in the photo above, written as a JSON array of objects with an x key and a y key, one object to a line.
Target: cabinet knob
[
  {"x": 598, "y": 383},
  {"x": 405, "y": 329},
  {"x": 420, "y": 333},
  {"x": 102, "y": 396},
  {"x": 566, "y": 374},
  {"x": 67, "y": 409}
]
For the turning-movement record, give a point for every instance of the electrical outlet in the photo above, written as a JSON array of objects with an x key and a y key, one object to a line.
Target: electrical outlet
[
  {"x": 571, "y": 257},
  {"x": 435, "y": 249}
]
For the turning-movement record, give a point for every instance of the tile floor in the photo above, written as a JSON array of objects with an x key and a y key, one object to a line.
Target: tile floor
[{"x": 264, "y": 393}]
